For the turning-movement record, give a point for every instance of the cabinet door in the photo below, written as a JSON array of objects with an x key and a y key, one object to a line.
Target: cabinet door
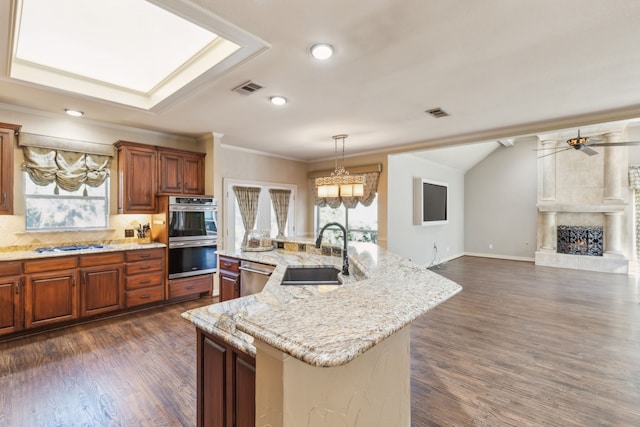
[
  {"x": 229, "y": 286},
  {"x": 6, "y": 170},
  {"x": 137, "y": 168},
  {"x": 212, "y": 379},
  {"x": 170, "y": 173},
  {"x": 101, "y": 290},
  {"x": 10, "y": 304},
  {"x": 193, "y": 174},
  {"x": 244, "y": 404},
  {"x": 51, "y": 297}
]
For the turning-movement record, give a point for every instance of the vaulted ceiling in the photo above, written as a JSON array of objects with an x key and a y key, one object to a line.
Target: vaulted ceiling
[{"x": 500, "y": 68}]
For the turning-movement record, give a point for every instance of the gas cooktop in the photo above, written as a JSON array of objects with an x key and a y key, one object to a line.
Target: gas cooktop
[{"x": 70, "y": 248}]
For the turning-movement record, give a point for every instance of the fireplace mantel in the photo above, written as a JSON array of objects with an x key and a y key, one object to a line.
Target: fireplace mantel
[{"x": 581, "y": 208}]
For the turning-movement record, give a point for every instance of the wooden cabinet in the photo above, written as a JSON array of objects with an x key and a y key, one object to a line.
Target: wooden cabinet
[
  {"x": 101, "y": 283},
  {"x": 226, "y": 384},
  {"x": 189, "y": 286},
  {"x": 180, "y": 172},
  {"x": 229, "y": 275},
  {"x": 51, "y": 291},
  {"x": 137, "y": 177},
  {"x": 7, "y": 138},
  {"x": 11, "y": 286},
  {"x": 144, "y": 276}
]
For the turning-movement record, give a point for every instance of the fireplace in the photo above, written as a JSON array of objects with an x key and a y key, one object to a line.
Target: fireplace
[{"x": 580, "y": 240}]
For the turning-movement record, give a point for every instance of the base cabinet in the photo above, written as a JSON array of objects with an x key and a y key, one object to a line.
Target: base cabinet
[
  {"x": 10, "y": 304},
  {"x": 229, "y": 275},
  {"x": 51, "y": 297},
  {"x": 226, "y": 386}
]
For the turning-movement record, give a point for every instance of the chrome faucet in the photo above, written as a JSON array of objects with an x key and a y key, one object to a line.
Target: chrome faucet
[{"x": 345, "y": 259}]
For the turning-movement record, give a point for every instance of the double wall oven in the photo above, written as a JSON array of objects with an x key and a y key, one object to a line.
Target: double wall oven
[{"x": 193, "y": 236}]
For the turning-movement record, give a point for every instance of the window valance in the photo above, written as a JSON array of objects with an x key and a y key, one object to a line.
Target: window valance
[
  {"x": 634, "y": 177},
  {"x": 64, "y": 144},
  {"x": 68, "y": 169},
  {"x": 369, "y": 195}
]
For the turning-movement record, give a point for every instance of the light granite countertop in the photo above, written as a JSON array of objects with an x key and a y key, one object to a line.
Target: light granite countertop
[
  {"x": 32, "y": 254},
  {"x": 326, "y": 325}
]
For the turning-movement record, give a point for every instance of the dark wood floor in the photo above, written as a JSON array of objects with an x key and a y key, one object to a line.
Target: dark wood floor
[{"x": 519, "y": 346}]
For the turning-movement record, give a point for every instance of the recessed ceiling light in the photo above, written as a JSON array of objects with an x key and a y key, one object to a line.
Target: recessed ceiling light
[
  {"x": 322, "y": 51},
  {"x": 74, "y": 113},
  {"x": 278, "y": 100}
]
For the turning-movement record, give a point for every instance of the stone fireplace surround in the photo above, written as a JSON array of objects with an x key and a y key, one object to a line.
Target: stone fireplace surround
[{"x": 580, "y": 190}]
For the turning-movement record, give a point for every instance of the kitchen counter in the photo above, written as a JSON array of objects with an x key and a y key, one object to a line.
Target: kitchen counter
[
  {"x": 32, "y": 254},
  {"x": 326, "y": 325}
]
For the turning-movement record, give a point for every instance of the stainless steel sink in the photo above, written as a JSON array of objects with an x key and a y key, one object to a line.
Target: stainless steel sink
[{"x": 311, "y": 276}]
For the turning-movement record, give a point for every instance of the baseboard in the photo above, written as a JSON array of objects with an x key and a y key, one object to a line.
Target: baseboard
[{"x": 496, "y": 256}]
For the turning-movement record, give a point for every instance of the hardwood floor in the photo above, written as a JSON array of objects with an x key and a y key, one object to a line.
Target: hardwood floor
[{"x": 519, "y": 346}]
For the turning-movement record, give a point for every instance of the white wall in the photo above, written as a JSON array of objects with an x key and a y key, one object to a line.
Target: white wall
[
  {"x": 500, "y": 203},
  {"x": 417, "y": 242}
]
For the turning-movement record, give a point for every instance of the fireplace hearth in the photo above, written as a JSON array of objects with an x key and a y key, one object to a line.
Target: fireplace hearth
[{"x": 580, "y": 240}]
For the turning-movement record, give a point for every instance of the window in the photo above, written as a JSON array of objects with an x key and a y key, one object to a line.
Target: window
[
  {"x": 68, "y": 210},
  {"x": 361, "y": 223},
  {"x": 265, "y": 218}
]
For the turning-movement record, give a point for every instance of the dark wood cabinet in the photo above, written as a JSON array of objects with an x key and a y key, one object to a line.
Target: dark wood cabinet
[
  {"x": 189, "y": 286},
  {"x": 7, "y": 138},
  {"x": 10, "y": 304},
  {"x": 101, "y": 283},
  {"x": 50, "y": 296},
  {"x": 180, "y": 172},
  {"x": 137, "y": 177},
  {"x": 226, "y": 384},
  {"x": 144, "y": 276},
  {"x": 229, "y": 275}
]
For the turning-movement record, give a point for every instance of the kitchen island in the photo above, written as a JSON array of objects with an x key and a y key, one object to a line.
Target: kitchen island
[{"x": 329, "y": 355}]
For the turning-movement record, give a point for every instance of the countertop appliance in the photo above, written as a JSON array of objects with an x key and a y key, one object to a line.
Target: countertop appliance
[
  {"x": 193, "y": 236},
  {"x": 253, "y": 277}
]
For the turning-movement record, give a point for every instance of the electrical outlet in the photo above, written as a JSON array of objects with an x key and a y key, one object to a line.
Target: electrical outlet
[{"x": 128, "y": 232}]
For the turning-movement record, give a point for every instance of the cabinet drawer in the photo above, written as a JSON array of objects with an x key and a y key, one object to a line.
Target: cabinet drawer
[
  {"x": 190, "y": 286},
  {"x": 101, "y": 259},
  {"x": 144, "y": 267},
  {"x": 50, "y": 264},
  {"x": 143, "y": 296},
  {"x": 230, "y": 264},
  {"x": 143, "y": 281},
  {"x": 144, "y": 254},
  {"x": 11, "y": 268}
]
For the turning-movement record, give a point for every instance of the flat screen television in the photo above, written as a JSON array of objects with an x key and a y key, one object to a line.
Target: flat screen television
[{"x": 430, "y": 202}]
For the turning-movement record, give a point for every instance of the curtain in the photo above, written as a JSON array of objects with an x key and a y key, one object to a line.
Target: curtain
[
  {"x": 247, "y": 198},
  {"x": 280, "y": 200},
  {"x": 69, "y": 170},
  {"x": 370, "y": 190},
  {"x": 634, "y": 184}
]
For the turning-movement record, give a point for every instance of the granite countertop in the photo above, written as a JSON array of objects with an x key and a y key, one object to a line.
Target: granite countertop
[
  {"x": 326, "y": 325},
  {"x": 32, "y": 254}
]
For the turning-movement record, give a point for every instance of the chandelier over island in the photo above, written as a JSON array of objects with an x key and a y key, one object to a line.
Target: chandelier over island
[{"x": 340, "y": 183}]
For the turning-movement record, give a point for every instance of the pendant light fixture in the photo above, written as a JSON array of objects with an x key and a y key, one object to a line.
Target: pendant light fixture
[{"x": 340, "y": 183}]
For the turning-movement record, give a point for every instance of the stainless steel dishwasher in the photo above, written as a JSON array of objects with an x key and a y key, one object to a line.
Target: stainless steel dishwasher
[{"x": 253, "y": 277}]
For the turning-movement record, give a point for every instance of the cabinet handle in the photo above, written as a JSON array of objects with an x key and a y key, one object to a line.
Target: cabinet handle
[
  {"x": 18, "y": 284},
  {"x": 73, "y": 281},
  {"x": 227, "y": 264},
  {"x": 145, "y": 296},
  {"x": 145, "y": 255},
  {"x": 145, "y": 267},
  {"x": 144, "y": 282},
  {"x": 4, "y": 198},
  {"x": 190, "y": 287}
]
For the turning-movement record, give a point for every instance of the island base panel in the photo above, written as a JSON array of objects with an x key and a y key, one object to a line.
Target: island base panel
[{"x": 372, "y": 390}]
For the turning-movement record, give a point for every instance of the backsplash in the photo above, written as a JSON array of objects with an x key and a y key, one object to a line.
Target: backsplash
[
  {"x": 306, "y": 246},
  {"x": 14, "y": 238}
]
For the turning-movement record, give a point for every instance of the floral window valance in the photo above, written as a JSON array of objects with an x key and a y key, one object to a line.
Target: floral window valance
[
  {"x": 69, "y": 170},
  {"x": 634, "y": 177},
  {"x": 370, "y": 191}
]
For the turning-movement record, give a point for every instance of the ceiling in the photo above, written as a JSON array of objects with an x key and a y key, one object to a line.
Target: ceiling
[{"x": 500, "y": 69}]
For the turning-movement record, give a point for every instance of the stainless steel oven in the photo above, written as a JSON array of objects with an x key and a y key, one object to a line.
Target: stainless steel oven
[{"x": 193, "y": 236}]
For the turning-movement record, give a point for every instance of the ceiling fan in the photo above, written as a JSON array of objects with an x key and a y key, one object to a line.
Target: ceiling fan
[{"x": 584, "y": 144}]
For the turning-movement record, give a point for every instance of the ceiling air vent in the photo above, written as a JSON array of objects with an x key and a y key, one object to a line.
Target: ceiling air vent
[
  {"x": 247, "y": 88},
  {"x": 437, "y": 112}
]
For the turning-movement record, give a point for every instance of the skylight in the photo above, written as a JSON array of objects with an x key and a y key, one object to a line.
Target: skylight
[{"x": 132, "y": 52}]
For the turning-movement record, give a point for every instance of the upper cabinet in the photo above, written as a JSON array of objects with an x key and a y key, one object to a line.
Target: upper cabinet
[
  {"x": 146, "y": 171},
  {"x": 180, "y": 172},
  {"x": 7, "y": 142},
  {"x": 137, "y": 177}
]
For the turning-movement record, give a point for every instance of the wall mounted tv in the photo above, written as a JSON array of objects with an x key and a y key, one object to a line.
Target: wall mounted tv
[{"x": 430, "y": 201}]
